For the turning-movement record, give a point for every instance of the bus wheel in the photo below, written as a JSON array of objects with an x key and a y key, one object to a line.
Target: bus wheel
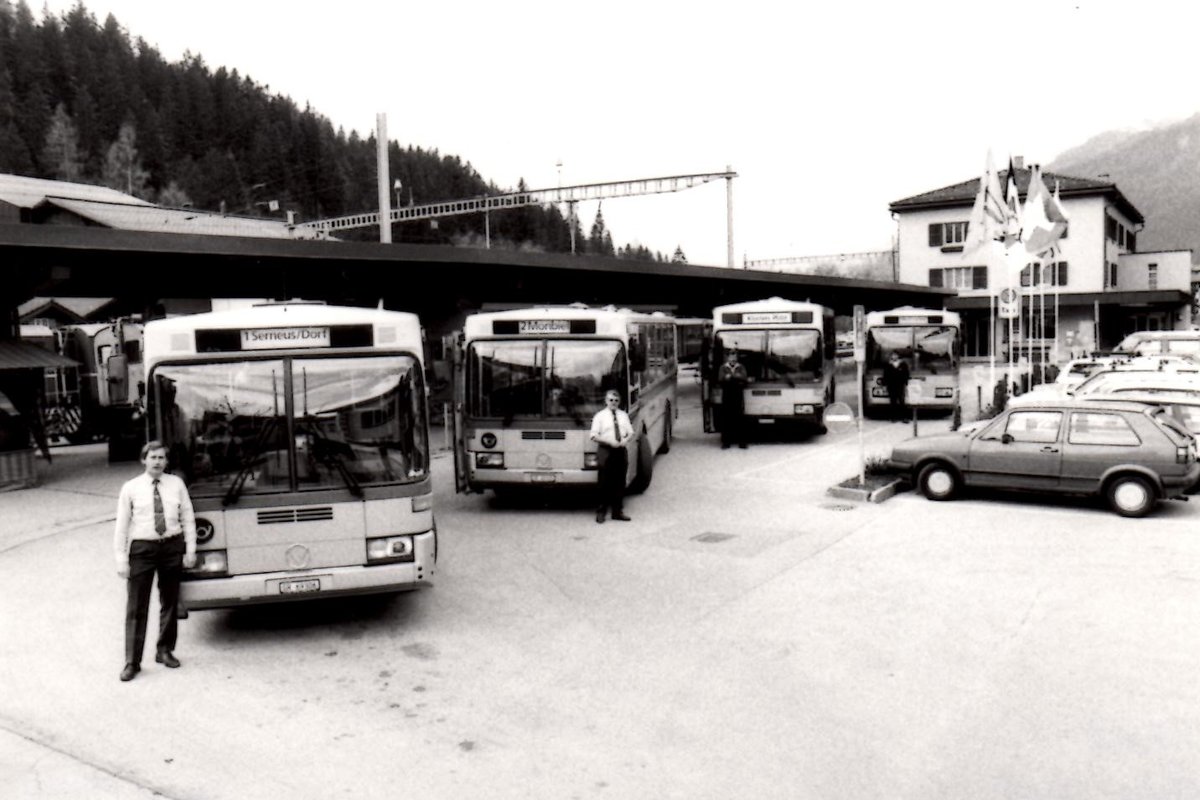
[
  {"x": 668, "y": 430},
  {"x": 645, "y": 466}
]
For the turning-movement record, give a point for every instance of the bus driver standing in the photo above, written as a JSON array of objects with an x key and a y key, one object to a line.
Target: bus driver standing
[{"x": 611, "y": 429}]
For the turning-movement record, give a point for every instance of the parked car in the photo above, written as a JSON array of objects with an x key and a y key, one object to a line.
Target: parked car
[
  {"x": 1153, "y": 342},
  {"x": 1131, "y": 454},
  {"x": 1134, "y": 372}
]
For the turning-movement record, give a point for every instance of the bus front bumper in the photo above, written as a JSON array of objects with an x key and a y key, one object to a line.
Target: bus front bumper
[
  {"x": 509, "y": 478},
  {"x": 318, "y": 582}
]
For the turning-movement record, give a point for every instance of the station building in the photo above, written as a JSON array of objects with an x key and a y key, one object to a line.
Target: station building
[{"x": 1098, "y": 288}]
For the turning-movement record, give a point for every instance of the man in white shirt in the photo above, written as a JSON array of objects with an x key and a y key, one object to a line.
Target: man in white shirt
[
  {"x": 611, "y": 431},
  {"x": 155, "y": 533}
]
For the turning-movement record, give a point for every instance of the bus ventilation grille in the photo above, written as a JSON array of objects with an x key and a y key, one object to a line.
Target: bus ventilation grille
[
  {"x": 766, "y": 392},
  {"x": 278, "y": 516},
  {"x": 543, "y": 435}
]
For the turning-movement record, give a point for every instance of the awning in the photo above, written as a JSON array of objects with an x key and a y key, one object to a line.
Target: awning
[{"x": 15, "y": 354}]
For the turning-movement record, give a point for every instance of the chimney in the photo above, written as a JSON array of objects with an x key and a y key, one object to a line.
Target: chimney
[{"x": 1018, "y": 162}]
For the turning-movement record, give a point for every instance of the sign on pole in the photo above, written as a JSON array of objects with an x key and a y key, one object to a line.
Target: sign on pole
[{"x": 1009, "y": 303}]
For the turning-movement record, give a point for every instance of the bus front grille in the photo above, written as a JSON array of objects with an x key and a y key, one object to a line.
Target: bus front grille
[
  {"x": 276, "y": 516},
  {"x": 558, "y": 435}
]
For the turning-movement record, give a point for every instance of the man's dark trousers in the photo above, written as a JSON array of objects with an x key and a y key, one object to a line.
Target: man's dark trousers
[
  {"x": 147, "y": 557},
  {"x": 612, "y": 480}
]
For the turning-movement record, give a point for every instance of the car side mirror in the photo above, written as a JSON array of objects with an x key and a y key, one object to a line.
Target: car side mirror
[{"x": 1006, "y": 439}]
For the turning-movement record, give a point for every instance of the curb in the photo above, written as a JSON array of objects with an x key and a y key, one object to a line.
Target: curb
[{"x": 877, "y": 495}]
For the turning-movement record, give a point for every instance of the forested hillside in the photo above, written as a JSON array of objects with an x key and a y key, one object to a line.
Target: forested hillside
[
  {"x": 1158, "y": 170},
  {"x": 83, "y": 101}
]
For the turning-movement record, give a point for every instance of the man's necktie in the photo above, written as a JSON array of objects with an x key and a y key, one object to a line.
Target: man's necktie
[
  {"x": 160, "y": 516},
  {"x": 616, "y": 426}
]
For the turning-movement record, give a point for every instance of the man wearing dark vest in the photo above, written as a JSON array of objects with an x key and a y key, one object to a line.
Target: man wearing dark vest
[
  {"x": 611, "y": 431},
  {"x": 155, "y": 533}
]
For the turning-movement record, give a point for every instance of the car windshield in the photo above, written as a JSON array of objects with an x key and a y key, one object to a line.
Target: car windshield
[
  {"x": 273, "y": 425},
  {"x": 790, "y": 356}
]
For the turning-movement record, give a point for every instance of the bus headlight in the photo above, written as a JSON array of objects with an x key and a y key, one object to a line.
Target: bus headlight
[
  {"x": 803, "y": 408},
  {"x": 390, "y": 549},
  {"x": 591, "y": 461},
  {"x": 943, "y": 391},
  {"x": 489, "y": 460},
  {"x": 209, "y": 564}
]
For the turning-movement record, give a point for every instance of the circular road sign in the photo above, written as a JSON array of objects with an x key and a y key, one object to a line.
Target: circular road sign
[{"x": 839, "y": 417}]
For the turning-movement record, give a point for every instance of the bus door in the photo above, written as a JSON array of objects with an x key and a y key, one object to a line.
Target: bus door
[
  {"x": 455, "y": 421},
  {"x": 707, "y": 378}
]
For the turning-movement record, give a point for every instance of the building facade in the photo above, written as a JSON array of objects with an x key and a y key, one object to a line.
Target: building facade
[{"x": 1095, "y": 289}]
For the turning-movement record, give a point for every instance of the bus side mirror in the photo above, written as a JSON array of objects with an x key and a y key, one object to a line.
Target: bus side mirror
[{"x": 118, "y": 377}]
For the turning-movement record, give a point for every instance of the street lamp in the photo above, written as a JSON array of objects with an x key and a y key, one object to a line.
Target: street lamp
[{"x": 396, "y": 188}]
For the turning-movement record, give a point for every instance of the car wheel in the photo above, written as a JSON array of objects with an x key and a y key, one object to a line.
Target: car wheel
[
  {"x": 1131, "y": 496},
  {"x": 938, "y": 482}
]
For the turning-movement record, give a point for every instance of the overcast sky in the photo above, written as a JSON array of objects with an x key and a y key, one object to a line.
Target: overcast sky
[{"x": 827, "y": 112}]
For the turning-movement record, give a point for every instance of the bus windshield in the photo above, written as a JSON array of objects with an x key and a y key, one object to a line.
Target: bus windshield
[
  {"x": 276, "y": 425},
  {"x": 926, "y": 348},
  {"x": 776, "y": 355},
  {"x": 543, "y": 379}
]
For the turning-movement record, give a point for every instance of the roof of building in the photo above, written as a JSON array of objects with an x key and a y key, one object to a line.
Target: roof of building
[
  {"x": 147, "y": 217},
  {"x": 113, "y": 209},
  {"x": 24, "y": 192},
  {"x": 81, "y": 308},
  {"x": 963, "y": 194},
  {"x": 16, "y": 354}
]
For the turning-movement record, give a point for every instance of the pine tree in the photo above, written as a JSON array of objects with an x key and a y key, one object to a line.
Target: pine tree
[
  {"x": 123, "y": 169},
  {"x": 679, "y": 257},
  {"x": 60, "y": 154}
]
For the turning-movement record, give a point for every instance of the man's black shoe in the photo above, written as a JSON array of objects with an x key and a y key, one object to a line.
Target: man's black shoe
[
  {"x": 600, "y": 516},
  {"x": 724, "y": 447},
  {"x": 129, "y": 672},
  {"x": 622, "y": 517},
  {"x": 167, "y": 659},
  {"x": 742, "y": 445}
]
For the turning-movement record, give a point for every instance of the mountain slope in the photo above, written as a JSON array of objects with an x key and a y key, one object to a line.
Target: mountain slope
[{"x": 1158, "y": 170}]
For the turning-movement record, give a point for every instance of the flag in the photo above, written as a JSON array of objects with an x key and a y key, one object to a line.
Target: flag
[
  {"x": 989, "y": 215},
  {"x": 1043, "y": 220},
  {"x": 1012, "y": 203}
]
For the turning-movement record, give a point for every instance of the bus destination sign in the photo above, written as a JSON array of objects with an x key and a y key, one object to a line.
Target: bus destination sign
[
  {"x": 278, "y": 338},
  {"x": 543, "y": 326},
  {"x": 761, "y": 317}
]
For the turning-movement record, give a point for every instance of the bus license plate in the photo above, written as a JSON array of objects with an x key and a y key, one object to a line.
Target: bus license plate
[
  {"x": 300, "y": 587},
  {"x": 543, "y": 477}
]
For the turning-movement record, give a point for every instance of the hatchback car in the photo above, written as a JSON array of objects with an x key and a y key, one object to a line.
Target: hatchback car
[{"x": 1131, "y": 454}]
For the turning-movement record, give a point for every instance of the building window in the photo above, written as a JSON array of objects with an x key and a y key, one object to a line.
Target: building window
[
  {"x": 947, "y": 234},
  {"x": 959, "y": 277},
  {"x": 1152, "y": 276},
  {"x": 1112, "y": 276},
  {"x": 1053, "y": 274}
]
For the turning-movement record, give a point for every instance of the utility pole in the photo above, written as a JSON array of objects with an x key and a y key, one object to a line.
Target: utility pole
[{"x": 385, "y": 196}]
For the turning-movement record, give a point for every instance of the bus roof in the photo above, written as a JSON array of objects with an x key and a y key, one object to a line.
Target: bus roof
[
  {"x": 400, "y": 329},
  {"x": 911, "y": 315},
  {"x": 770, "y": 304}
]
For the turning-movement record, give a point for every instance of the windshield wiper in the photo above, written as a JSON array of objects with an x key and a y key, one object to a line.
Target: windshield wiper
[
  {"x": 330, "y": 453},
  {"x": 256, "y": 449}
]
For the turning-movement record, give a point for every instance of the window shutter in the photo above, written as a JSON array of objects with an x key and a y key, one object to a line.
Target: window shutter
[
  {"x": 935, "y": 277},
  {"x": 979, "y": 278},
  {"x": 1025, "y": 275},
  {"x": 1132, "y": 240},
  {"x": 935, "y": 236},
  {"x": 1061, "y": 278}
]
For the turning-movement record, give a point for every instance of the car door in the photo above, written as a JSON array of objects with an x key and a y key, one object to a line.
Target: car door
[{"x": 1021, "y": 450}]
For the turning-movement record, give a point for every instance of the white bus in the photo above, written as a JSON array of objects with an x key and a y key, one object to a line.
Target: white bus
[
  {"x": 301, "y": 431},
  {"x": 528, "y": 382},
  {"x": 789, "y": 349},
  {"x": 929, "y": 341}
]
